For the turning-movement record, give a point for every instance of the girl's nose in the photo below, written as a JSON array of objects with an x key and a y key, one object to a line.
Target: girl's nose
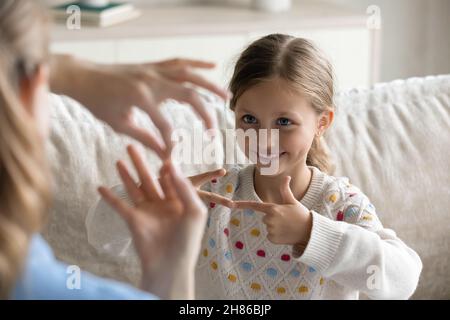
[{"x": 268, "y": 141}]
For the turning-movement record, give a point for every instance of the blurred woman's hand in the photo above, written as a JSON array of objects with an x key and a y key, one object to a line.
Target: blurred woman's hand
[
  {"x": 200, "y": 179},
  {"x": 110, "y": 92},
  {"x": 167, "y": 221}
]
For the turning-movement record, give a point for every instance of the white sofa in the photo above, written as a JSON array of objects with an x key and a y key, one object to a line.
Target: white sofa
[{"x": 393, "y": 141}]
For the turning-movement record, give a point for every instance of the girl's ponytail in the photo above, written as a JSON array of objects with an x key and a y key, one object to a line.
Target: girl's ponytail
[{"x": 319, "y": 157}]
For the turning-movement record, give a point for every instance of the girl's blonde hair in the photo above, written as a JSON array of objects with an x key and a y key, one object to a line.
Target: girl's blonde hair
[
  {"x": 302, "y": 66},
  {"x": 24, "y": 178}
]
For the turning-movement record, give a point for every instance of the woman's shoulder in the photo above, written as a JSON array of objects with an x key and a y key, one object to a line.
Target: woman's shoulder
[
  {"x": 44, "y": 277},
  {"x": 40, "y": 270},
  {"x": 39, "y": 250}
]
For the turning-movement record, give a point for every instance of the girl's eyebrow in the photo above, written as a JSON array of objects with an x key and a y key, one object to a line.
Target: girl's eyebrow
[
  {"x": 243, "y": 110},
  {"x": 287, "y": 113}
]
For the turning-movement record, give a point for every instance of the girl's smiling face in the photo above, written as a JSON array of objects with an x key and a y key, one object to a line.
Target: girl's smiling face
[{"x": 271, "y": 105}]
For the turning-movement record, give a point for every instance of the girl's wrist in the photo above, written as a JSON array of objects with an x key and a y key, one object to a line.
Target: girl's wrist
[{"x": 305, "y": 232}]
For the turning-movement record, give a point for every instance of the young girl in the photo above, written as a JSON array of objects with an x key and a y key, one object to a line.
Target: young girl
[{"x": 301, "y": 233}]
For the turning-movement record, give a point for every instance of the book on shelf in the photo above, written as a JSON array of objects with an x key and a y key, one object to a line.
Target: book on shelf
[{"x": 104, "y": 16}]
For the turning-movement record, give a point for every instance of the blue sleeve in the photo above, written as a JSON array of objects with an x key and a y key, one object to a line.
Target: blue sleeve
[{"x": 44, "y": 277}]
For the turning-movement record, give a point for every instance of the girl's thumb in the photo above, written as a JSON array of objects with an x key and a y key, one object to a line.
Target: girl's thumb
[{"x": 286, "y": 192}]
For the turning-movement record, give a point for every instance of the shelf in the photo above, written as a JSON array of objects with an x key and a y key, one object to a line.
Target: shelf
[{"x": 211, "y": 20}]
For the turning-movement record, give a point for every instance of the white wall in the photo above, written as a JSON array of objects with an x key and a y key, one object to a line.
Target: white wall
[
  {"x": 415, "y": 39},
  {"x": 415, "y": 36},
  {"x": 439, "y": 37},
  {"x": 140, "y": 2}
]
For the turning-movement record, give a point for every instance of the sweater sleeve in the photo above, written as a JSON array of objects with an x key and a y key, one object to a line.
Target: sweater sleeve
[{"x": 349, "y": 245}]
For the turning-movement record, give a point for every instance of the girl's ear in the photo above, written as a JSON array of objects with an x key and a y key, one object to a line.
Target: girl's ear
[{"x": 325, "y": 120}]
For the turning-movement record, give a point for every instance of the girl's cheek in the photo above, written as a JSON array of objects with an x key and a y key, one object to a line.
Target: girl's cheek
[
  {"x": 293, "y": 141},
  {"x": 290, "y": 139}
]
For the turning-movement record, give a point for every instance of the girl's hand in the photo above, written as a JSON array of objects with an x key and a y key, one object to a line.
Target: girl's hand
[
  {"x": 288, "y": 223},
  {"x": 198, "y": 180},
  {"x": 167, "y": 224}
]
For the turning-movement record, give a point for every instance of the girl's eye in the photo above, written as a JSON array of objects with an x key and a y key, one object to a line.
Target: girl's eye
[
  {"x": 249, "y": 119},
  {"x": 284, "y": 122}
]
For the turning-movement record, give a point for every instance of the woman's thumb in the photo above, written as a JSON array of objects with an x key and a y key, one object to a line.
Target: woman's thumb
[{"x": 200, "y": 179}]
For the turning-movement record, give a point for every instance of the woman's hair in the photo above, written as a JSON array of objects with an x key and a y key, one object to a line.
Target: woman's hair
[
  {"x": 24, "y": 178},
  {"x": 303, "y": 67}
]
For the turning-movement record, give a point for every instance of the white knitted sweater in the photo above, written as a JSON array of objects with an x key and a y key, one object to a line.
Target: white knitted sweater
[{"x": 349, "y": 251}]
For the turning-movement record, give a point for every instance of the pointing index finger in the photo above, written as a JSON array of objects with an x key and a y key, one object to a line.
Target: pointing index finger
[{"x": 257, "y": 206}]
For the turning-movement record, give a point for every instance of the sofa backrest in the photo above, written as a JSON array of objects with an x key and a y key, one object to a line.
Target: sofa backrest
[{"x": 392, "y": 141}]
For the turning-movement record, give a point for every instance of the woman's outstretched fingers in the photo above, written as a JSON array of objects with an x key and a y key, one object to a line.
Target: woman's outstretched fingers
[
  {"x": 136, "y": 195},
  {"x": 148, "y": 104},
  {"x": 144, "y": 136},
  {"x": 257, "y": 206},
  {"x": 192, "y": 97},
  {"x": 166, "y": 183},
  {"x": 212, "y": 197},
  {"x": 184, "y": 189},
  {"x": 181, "y": 62},
  {"x": 183, "y": 70},
  {"x": 200, "y": 81},
  {"x": 200, "y": 179},
  {"x": 116, "y": 203},
  {"x": 167, "y": 187},
  {"x": 149, "y": 186}
]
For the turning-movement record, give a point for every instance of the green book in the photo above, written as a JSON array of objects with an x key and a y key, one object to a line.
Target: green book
[
  {"x": 113, "y": 13},
  {"x": 88, "y": 8}
]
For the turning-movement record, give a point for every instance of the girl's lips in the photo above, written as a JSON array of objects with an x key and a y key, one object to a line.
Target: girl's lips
[{"x": 268, "y": 158}]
